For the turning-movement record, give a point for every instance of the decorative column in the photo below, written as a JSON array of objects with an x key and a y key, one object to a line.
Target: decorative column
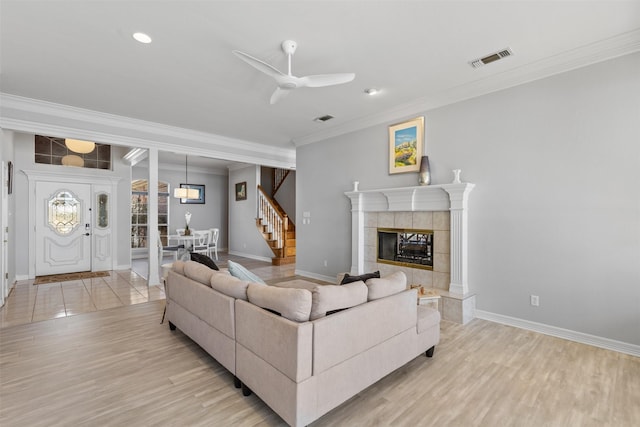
[
  {"x": 357, "y": 232},
  {"x": 458, "y": 195}
]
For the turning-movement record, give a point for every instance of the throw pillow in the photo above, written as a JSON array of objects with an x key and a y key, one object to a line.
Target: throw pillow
[
  {"x": 293, "y": 304},
  {"x": 242, "y": 273},
  {"x": 203, "y": 259},
  {"x": 363, "y": 277},
  {"x": 389, "y": 285}
]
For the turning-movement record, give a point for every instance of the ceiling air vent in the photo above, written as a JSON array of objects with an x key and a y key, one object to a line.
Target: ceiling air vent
[
  {"x": 323, "y": 118},
  {"x": 477, "y": 63}
]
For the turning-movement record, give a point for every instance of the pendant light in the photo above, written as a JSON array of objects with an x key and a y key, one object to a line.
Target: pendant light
[{"x": 186, "y": 193}]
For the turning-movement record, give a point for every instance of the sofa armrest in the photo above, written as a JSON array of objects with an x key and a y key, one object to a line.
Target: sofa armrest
[{"x": 284, "y": 344}]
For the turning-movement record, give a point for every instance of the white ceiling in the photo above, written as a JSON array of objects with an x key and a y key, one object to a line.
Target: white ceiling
[{"x": 81, "y": 53}]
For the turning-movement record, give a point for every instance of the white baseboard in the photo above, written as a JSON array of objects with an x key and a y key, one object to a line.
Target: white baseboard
[
  {"x": 606, "y": 343},
  {"x": 123, "y": 267},
  {"x": 303, "y": 273},
  {"x": 22, "y": 277},
  {"x": 251, "y": 256}
]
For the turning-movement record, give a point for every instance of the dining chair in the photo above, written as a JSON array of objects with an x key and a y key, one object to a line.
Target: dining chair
[
  {"x": 173, "y": 249},
  {"x": 201, "y": 242},
  {"x": 214, "y": 233}
]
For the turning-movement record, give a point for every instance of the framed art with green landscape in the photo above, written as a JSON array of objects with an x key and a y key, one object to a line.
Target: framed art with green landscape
[{"x": 405, "y": 145}]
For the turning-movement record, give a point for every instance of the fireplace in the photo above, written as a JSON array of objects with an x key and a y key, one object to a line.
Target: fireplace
[{"x": 406, "y": 247}]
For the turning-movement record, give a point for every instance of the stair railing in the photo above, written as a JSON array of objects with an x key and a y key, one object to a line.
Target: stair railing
[
  {"x": 279, "y": 175},
  {"x": 277, "y": 222}
]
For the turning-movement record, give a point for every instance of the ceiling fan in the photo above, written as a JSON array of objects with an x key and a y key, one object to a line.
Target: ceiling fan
[{"x": 288, "y": 82}]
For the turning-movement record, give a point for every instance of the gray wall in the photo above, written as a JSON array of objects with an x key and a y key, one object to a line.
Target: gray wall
[
  {"x": 555, "y": 211},
  {"x": 244, "y": 237},
  {"x": 211, "y": 214}
]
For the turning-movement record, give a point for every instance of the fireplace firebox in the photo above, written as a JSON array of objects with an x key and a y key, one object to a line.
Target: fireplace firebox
[{"x": 406, "y": 247}]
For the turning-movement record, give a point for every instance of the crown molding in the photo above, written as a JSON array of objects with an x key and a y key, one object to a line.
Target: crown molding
[
  {"x": 31, "y": 115},
  {"x": 583, "y": 56}
]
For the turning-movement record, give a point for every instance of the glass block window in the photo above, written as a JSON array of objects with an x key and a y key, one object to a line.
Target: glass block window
[
  {"x": 51, "y": 151},
  {"x": 139, "y": 201},
  {"x": 63, "y": 212}
]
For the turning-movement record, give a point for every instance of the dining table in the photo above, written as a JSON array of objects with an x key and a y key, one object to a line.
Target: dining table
[{"x": 188, "y": 240}]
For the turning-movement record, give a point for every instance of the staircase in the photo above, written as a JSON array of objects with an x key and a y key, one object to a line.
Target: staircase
[{"x": 276, "y": 229}]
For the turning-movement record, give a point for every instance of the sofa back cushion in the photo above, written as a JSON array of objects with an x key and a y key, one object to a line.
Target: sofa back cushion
[
  {"x": 229, "y": 285},
  {"x": 178, "y": 267},
  {"x": 327, "y": 298},
  {"x": 291, "y": 303},
  {"x": 198, "y": 272},
  {"x": 388, "y": 285}
]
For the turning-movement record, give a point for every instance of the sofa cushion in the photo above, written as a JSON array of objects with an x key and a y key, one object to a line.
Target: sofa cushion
[
  {"x": 363, "y": 277},
  {"x": 388, "y": 285},
  {"x": 292, "y": 303},
  {"x": 242, "y": 273},
  {"x": 178, "y": 267},
  {"x": 203, "y": 259},
  {"x": 198, "y": 272},
  {"x": 230, "y": 286},
  {"x": 327, "y": 298}
]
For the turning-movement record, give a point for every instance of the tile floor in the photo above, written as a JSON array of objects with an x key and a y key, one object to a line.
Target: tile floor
[{"x": 28, "y": 303}]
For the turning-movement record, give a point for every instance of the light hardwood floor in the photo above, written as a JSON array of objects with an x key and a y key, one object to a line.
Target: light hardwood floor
[{"x": 121, "y": 367}]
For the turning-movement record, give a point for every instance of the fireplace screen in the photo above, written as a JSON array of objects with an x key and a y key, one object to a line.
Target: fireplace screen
[{"x": 412, "y": 248}]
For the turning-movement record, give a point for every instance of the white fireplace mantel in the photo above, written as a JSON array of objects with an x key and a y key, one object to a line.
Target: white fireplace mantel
[{"x": 451, "y": 197}]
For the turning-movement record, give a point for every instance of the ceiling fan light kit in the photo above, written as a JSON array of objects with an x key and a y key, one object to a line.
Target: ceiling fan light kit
[{"x": 287, "y": 82}]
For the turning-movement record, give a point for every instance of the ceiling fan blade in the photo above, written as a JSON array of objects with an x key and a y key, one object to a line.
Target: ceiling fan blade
[
  {"x": 321, "y": 80},
  {"x": 279, "y": 94},
  {"x": 258, "y": 64}
]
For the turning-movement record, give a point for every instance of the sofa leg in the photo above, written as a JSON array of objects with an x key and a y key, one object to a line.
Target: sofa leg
[
  {"x": 172, "y": 326},
  {"x": 246, "y": 391},
  {"x": 236, "y": 382},
  {"x": 429, "y": 353}
]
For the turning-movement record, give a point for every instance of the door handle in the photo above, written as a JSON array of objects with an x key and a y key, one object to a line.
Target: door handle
[{"x": 86, "y": 234}]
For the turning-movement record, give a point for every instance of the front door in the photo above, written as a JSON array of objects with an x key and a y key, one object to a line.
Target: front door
[{"x": 63, "y": 228}]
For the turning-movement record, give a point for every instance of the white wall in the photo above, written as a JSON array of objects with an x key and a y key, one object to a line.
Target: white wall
[
  {"x": 6, "y": 155},
  {"x": 555, "y": 211}
]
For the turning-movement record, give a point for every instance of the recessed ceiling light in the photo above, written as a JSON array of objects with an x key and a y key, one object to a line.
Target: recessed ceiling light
[
  {"x": 142, "y": 38},
  {"x": 371, "y": 91}
]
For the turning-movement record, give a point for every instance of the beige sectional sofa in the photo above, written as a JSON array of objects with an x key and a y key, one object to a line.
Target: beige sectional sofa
[{"x": 301, "y": 368}]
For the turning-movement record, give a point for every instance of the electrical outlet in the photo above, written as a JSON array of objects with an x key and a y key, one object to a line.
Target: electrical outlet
[
  {"x": 326, "y": 263},
  {"x": 535, "y": 300}
]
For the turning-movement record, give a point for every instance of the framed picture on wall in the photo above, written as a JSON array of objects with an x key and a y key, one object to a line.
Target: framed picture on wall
[
  {"x": 241, "y": 191},
  {"x": 199, "y": 200},
  {"x": 405, "y": 145}
]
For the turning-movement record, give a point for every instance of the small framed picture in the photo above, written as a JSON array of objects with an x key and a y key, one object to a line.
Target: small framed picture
[
  {"x": 199, "y": 200},
  {"x": 241, "y": 191},
  {"x": 405, "y": 145}
]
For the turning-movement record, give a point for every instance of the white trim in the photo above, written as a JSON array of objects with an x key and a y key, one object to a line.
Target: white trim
[
  {"x": 251, "y": 256},
  {"x": 77, "y": 176},
  {"x": 583, "y": 56},
  {"x": 311, "y": 275},
  {"x": 606, "y": 343},
  {"x": 32, "y": 115},
  {"x": 21, "y": 277}
]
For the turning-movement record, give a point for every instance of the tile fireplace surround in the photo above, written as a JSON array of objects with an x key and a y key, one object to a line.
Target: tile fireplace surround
[{"x": 441, "y": 208}]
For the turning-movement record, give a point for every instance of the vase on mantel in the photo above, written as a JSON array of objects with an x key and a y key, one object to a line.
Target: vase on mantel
[{"x": 424, "y": 176}]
